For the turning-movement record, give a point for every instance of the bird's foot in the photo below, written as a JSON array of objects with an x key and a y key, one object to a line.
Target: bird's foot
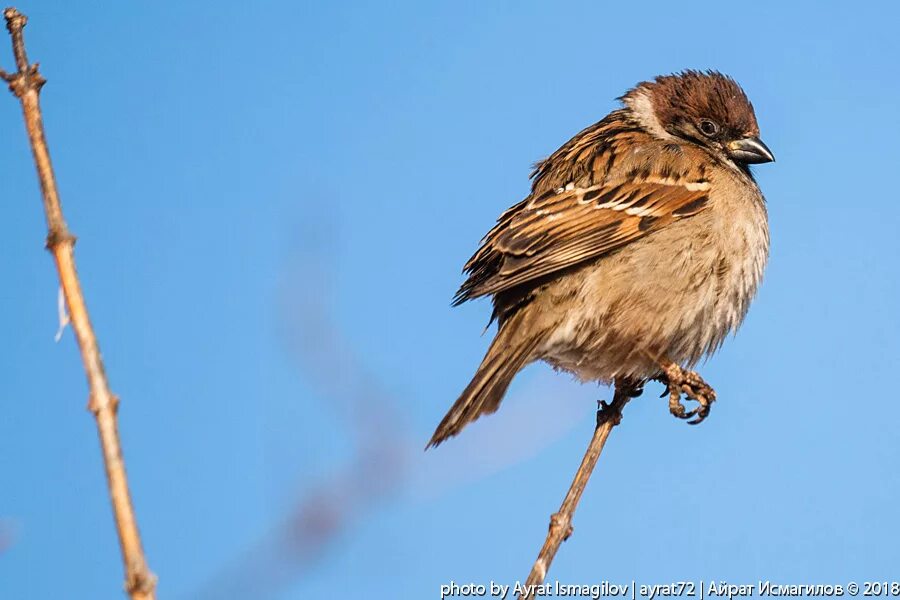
[
  {"x": 680, "y": 381},
  {"x": 608, "y": 412},
  {"x": 625, "y": 390}
]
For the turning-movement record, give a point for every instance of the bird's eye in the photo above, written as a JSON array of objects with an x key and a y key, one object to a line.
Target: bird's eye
[{"x": 708, "y": 128}]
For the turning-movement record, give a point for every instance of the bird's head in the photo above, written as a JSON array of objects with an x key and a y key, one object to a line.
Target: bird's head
[{"x": 704, "y": 108}]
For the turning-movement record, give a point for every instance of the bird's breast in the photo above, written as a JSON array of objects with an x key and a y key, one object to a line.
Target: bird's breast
[{"x": 676, "y": 293}]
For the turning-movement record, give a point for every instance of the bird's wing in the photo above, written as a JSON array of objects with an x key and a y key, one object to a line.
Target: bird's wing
[{"x": 558, "y": 229}]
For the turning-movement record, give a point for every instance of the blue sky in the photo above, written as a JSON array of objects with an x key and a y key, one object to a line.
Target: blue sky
[{"x": 273, "y": 205}]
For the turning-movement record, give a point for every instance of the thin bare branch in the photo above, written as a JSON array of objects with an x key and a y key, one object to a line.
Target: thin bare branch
[
  {"x": 608, "y": 416},
  {"x": 26, "y": 84}
]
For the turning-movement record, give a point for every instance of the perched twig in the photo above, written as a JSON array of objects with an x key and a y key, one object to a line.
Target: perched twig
[
  {"x": 608, "y": 416},
  {"x": 26, "y": 84}
]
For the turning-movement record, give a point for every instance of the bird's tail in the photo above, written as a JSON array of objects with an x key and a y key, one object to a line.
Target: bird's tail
[{"x": 511, "y": 350}]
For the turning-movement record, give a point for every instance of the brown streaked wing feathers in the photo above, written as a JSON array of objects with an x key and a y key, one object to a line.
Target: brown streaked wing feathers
[{"x": 558, "y": 230}]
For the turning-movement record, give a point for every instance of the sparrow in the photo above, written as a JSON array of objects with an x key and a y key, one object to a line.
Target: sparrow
[{"x": 637, "y": 252}]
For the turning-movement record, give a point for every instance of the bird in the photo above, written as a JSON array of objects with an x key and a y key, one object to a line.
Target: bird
[{"x": 637, "y": 252}]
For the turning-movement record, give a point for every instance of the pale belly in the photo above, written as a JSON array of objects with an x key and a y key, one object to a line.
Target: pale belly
[{"x": 675, "y": 299}]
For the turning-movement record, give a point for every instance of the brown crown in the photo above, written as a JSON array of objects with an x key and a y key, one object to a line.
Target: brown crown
[{"x": 695, "y": 95}]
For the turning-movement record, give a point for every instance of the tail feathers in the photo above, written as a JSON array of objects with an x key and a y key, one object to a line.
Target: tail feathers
[{"x": 510, "y": 351}]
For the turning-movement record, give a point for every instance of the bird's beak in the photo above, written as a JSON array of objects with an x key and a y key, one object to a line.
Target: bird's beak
[{"x": 750, "y": 150}]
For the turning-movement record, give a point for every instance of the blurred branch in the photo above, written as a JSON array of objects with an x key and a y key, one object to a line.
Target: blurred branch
[
  {"x": 26, "y": 85},
  {"x": 608, "y": 416},
  {"x": 7, "y": 534},
  {"x": 330, "y": 507}
]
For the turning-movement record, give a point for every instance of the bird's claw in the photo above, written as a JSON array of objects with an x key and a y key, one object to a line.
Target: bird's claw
[
  {"x": 625, "y": 390},
  {"x": 608, "y": 412},
  {"x": 679, "y": 381}
]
